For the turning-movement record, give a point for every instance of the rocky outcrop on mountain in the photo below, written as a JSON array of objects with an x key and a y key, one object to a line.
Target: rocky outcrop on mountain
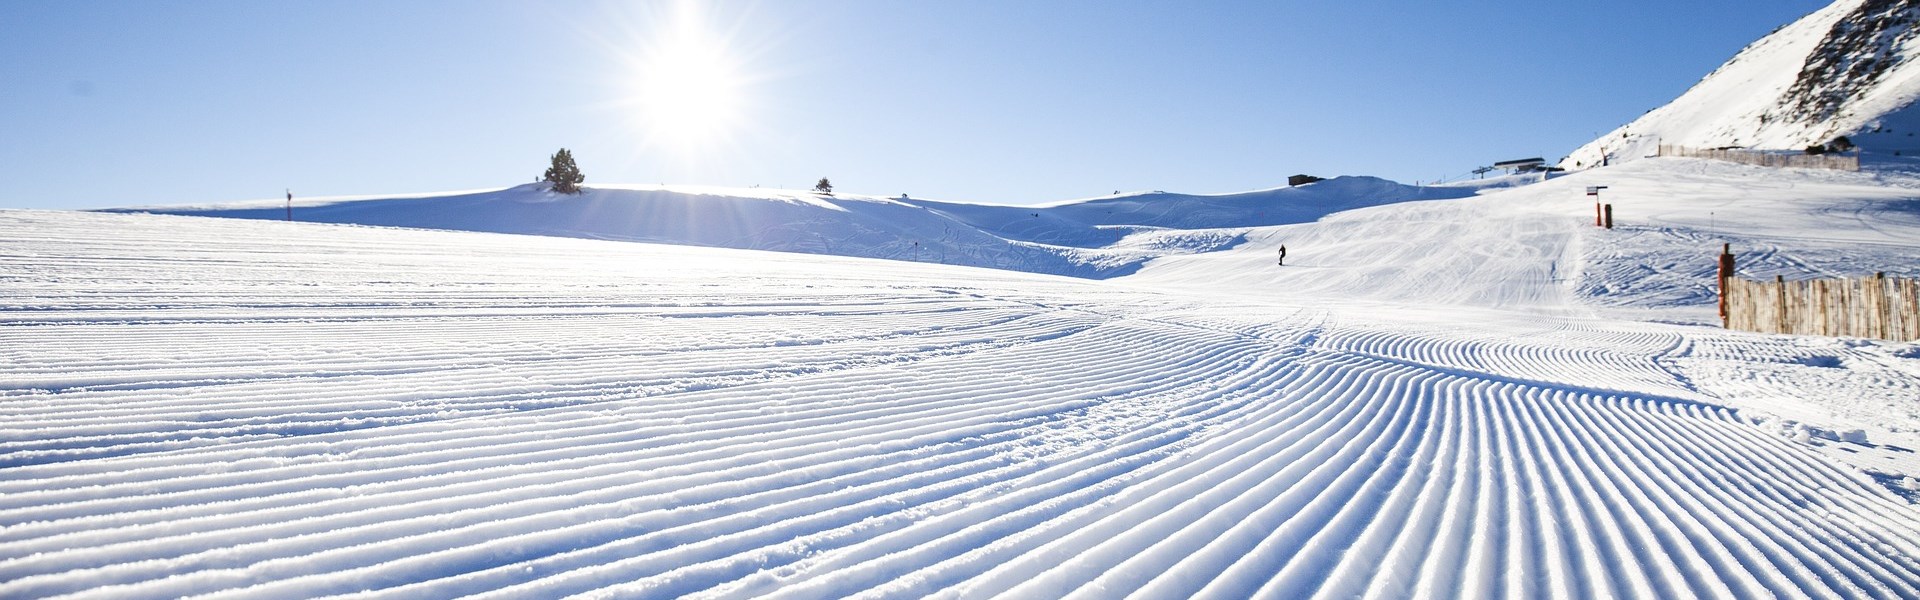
[
  {"x": 1860, "y": 50},
  {"x": 1844, "y": 70}
]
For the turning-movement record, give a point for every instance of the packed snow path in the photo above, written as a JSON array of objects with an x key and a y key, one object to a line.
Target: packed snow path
[{"x": 256, "y": 409}]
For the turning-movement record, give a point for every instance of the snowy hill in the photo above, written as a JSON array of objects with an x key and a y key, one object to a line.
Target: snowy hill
[
  {"x": 1535, "y": 247},
  {"x": 1847, "y": 69},
  {"x": 1469, "y": 397},
  {"x": 1499, "y": 244},
  {"x": 257, "y": 409},
  {"x": 1095, "y": 238}
]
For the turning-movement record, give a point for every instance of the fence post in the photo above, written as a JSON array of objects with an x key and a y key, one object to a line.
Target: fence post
[
  {"x": 1609, "y": 216},
  {"x": 1780, "y": 303},
  {"x": 1726, "y": 272},
  {"x": 1854, "y": 305},
  {"x": 1910, "y": 297},
  {"x": 1910, "y": 300},
  {"x": 1740, "y": 304},
  {"x": 1880, "y": 305},
  {"x": 1822, "y": 298}
]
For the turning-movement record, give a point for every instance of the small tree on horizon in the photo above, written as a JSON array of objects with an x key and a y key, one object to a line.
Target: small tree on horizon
[
  {"x": 564, "y": 175},
  {"x": 824, "y": 187}
]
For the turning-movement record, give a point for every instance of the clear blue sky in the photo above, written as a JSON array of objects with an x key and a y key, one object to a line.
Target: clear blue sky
[{"x": 127, "y": 103}]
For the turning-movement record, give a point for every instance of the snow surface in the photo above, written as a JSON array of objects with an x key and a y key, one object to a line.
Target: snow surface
[{"x": 1482, "y": 396}]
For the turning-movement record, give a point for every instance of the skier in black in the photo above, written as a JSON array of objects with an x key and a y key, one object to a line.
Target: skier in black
[{"x": 1283, "y": 254}]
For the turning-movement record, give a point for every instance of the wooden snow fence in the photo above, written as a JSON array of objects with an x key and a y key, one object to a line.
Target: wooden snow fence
[
  {"x": 1868, "y": 307},
  {"x": 1835, "y": 161}
]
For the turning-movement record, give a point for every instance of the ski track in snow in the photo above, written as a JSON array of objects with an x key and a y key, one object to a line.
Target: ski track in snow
[{"x": 259, "y": 410}]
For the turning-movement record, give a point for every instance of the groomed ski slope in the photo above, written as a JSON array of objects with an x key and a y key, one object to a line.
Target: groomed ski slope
[{"x": 251, "y": 409}]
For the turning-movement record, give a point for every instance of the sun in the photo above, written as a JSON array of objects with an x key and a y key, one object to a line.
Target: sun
[{"x": 688, "y": 89}]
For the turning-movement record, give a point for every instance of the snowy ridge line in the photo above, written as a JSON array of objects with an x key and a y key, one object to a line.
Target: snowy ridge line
[{"x": 856, "y": 429}]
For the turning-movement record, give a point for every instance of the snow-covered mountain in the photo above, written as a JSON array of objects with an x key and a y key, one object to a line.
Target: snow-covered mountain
[
  {"x": 1095, "y": 238},
  {"x": 1845, "y": 70}
]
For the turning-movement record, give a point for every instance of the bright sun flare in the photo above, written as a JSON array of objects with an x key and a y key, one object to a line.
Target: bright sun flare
[{"x": 689, "y": 88}]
